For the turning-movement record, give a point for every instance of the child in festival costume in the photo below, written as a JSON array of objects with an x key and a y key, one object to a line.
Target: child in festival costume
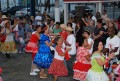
[
  {"x": 57, "y": 67},
  {"x": 43, "y": 58},
  {"x": 32, "y": 47},
  {"x": 8, "y": 47},
  {"x": 64, "y": 35},
  {"x": 96, "y": 72},
  {"x": 82, "y": 63}
]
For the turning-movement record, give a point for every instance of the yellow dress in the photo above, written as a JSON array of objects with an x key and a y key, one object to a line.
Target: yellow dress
[{"x": 9, "y": 45}]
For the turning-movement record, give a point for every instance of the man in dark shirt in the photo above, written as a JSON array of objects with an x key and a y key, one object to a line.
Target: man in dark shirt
[{"x": 98, "y": 34}]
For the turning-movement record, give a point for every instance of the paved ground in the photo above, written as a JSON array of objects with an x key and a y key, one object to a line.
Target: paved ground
[{"x": 17, "y": 68}]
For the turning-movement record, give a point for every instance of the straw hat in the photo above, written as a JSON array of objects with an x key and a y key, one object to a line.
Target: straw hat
[
  {"x": 69, "y": 29},
  {"x": 63, "y": 26},
  {"x": 4, "y": 17},
  {"x": 107, "y": 20}
]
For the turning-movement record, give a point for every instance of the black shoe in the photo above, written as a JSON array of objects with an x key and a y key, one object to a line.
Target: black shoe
[{"x": 7, "y": 55}]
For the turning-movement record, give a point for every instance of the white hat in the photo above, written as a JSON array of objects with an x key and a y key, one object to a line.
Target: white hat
[
  {"x": 38, "y": 18},
  {"x": 4, "y": 16},
  {"x": 69, "y": 28}
]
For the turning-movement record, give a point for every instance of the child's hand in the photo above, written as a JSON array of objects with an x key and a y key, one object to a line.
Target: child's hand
[
  {"x": 111, "y": 55},
  {"x": 68, "y": 49}
]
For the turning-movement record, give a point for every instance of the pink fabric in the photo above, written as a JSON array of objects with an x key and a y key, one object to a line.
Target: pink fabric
[
  {"x": 118, "y": 70},
  {"x": 1, "y": 79},
  {"x": 32, "y": 44},
  {"x": 80, "y": 73},
  {"x": 81, "y": 53},
  {"x": 118, "y": 79}
]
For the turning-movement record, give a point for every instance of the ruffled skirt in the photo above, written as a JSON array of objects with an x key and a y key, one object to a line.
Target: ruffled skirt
[
  {"x": 31, "y": 47},
  {"x": 96, "y": 76},
  {"x": 80, "y": 70},
  {"x": 8, "y": 47},
  {"x": 43, "y": 60},
  {"x": 58, "y": 68}
]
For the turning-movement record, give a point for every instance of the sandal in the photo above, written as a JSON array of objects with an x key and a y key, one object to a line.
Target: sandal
[
  {"x": 44, "y": 74},
  {"x": 43, "y": 77}
]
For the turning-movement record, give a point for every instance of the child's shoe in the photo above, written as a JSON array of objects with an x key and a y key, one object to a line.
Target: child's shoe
[
  {"x": 36, "y": 70},
  {"x": 33, "y": 73}
]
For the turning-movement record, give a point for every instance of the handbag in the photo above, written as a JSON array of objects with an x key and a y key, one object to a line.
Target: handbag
[{"x": 2, "y": 38}]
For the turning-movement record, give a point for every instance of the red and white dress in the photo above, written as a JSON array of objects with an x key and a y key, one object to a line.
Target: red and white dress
[
  {"x": 32, "y": 46},
  {"x": 81, "y": 65},
  {"x": 57, "y": 67}
]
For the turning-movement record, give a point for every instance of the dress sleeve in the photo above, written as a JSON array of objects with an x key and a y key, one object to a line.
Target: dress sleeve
[
  {"x": 95, "y": 56},
  {"x": 59, "y": 50}
]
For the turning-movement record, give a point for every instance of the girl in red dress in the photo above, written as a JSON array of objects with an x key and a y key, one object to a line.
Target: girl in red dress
[
  {"x": 32, "y": 47},
  {"x": 57, "y": 67},
  {"x": 82, "y": 63}
]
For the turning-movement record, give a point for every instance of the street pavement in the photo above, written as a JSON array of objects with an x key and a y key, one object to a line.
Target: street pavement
[{"x": 17, "y": 68}]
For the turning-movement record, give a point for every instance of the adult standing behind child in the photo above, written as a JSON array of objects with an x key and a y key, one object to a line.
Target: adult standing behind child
[
  {"x": 57, "y": 67},
  {"x": 70, "y": 43}
]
